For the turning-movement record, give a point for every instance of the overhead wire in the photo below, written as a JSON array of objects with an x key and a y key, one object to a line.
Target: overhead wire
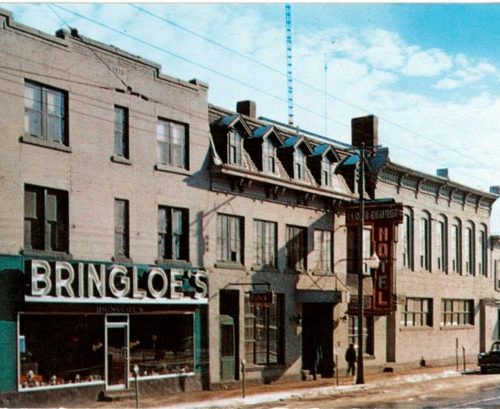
[
  {"x": 212, "y": 70},
  {"x": 249, "y": 58}
]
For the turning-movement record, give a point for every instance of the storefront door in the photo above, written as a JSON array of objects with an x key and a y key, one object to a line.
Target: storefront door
[{"x": 117, "y": 362}]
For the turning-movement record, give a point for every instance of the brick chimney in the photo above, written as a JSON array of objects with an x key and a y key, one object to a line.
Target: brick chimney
[
  {"x": 364, "y": 130},
  {"x": 247, "y": 108}
]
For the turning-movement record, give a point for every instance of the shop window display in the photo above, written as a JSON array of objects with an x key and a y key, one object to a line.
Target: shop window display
[
  {"x": 162, "y": 344},
  {"x": 60, "y": 349}
]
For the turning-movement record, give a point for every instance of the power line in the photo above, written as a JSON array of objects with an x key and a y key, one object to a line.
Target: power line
[{"x": 431, "y": 140}]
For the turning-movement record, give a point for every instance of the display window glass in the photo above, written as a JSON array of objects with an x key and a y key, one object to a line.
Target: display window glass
[{"x": 60, "y": 349}]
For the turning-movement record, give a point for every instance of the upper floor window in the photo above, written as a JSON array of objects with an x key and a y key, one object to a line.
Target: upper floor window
[
  {"x": 457, "y": 312},
  {"x": 323, "y": 250},
  {"x": 269, "y": 157},
  {"x": 234, "y": 142},
  {"x": 353, "y": 246},
  {"x": 122, "y": 236},
  {"x": 442, "y": 243},
  {"x": 265, "y": 243},
  {"x": 482, "y": 245},
  {"x": 408, "y": 237},
  {"x": 172, "y": 144},
  {"x": 121, "y": 132},
  {"x": 417, "y": 312},
  {"x": 173, "y": 233},
  {"x": 230, "y": 234},
  {"x": 299, "y": 164},
  {"x": 45, "y": 113},
  {"x": 425, "y": 242},
  {"x": 45, "y": 219},
  {"x": 469, "y": 248},
  {"x": 456, "y": 246},
  {"x": 296, "y": 248}
]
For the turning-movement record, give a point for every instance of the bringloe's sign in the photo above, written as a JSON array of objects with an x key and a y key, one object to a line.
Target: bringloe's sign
[{"x": 81, "y": 282}]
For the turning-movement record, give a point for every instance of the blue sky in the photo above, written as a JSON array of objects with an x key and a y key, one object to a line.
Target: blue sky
[{"x": 430, "y": 72}]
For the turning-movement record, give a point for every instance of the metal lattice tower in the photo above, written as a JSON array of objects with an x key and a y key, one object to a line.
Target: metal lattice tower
[{"x": 289, "y": 72}]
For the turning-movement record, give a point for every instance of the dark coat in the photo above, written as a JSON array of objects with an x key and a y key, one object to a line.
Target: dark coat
[{"x": 350, "y": 355}]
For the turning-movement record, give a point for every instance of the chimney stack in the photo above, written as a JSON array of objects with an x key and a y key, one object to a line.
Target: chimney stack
[
  {"x": 247, "y": 108},
  {"x": 364, "y": 130},
  {"x": 442, "y": 173}
]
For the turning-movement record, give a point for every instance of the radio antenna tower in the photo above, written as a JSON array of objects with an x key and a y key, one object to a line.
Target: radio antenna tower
[{"x": 289, "y": 72}]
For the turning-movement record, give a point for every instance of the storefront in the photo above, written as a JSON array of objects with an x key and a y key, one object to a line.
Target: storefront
[{"x": 91, "y": 323}]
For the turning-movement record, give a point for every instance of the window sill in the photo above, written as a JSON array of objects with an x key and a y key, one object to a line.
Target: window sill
[
  {"x": 173, "y": 263},
  {"x": 121, "y": 259},
  {"x": 172, "y": 169},
  {"x": 416, "y": 329},
  {"x": 264, "y": 269},
  {"x": 120, "y": 159},
  {"x": 44, "y": 143},
  {"x": 259, "y": 367},
  {"x": 452, "y": 327},
  {"x": 229, "y": 265},
  {"x": 46, "y": 253}
]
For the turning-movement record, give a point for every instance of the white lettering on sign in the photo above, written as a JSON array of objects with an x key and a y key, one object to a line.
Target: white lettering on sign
[{"x": 81, "y": 282}]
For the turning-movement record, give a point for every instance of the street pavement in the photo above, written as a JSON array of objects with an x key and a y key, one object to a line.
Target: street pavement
[{"x": 403, "y": 385}]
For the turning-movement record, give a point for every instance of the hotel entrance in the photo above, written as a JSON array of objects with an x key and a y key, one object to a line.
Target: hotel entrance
[{"x": 117, "y": 352}]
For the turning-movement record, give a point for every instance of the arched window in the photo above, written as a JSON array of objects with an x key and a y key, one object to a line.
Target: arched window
[
  {"x": 408, "y": 238},
  {"x": 482, "y": 250},
  {"x": 425, "y": 241},
  {"x": 442, "y": 243},
  {"x": 469, "y": 248},
  {"x": 456, "y": 246}
]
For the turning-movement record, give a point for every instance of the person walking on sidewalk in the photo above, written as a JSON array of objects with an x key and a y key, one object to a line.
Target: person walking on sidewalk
[
  {"x": 318, "y": 356},
  {"x": 350, "y": 357}
]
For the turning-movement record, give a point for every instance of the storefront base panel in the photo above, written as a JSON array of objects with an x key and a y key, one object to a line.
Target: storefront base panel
[
  {"x": 178, "y": 384},
  {"x": 51, "y": 397},
  {"x": 267, "y": 377}
]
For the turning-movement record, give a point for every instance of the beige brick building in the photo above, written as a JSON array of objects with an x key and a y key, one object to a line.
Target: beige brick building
[{"x": 144, "y": 228}]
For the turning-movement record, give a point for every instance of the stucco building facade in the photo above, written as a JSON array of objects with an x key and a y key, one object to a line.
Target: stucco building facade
[{"x": 144, "y": 228}]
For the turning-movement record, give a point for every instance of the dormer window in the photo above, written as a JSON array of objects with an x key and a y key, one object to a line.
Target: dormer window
[
  {"x": 299, "y": 164},
  {"x": 326, "y": 172},
  {"x": 269, "y": 157},
  {"x": 234, "y": 147}
]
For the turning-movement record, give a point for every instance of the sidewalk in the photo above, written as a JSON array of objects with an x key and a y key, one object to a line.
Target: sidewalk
[{"x": 282, "y": 391}]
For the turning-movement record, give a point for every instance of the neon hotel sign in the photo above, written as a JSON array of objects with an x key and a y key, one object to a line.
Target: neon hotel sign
[{"x": 62, "y": 281}]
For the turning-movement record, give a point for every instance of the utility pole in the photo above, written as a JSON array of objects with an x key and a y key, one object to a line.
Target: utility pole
[{"x": 360, "y": 378}]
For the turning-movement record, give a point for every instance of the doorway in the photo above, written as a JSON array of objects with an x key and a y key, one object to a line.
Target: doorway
[
  {"x": 317, "y": 338},
  {"x": 229, "y": 308},
  {"x": 117, "y": 352}
]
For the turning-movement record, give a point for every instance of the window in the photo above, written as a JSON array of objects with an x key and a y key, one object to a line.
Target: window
[
  {"x": 45, "y": 219},
  {"x": 408, "y": 238},
  {"x": 45, "y": 113},
  {"x": 482, "y": 245},
  {"x": 269, "y": 157},
  {"x": 457, "y": 312},
  {"x": 352, "y": 249},
  {"x": 296, "y": 248},
  {"x": 264, "y": 335},
  {"x": 442, "y": 243},
  {"x": 299, "y": 163},
  {"x": 230, "y": 238},
  {"x": 121, "y": 228},
  {"x": 425, "y": 242},
  {"x": 323, "y": 250},
  {"x": 469, "y": 249},
  {"x": 456, "y": 246},
  {"x": 173, "y": 233},
  {"x": 121, "y": 132},
  {"x": 264, "y": 243},
  {"x": 417, "y": 312},
  {"x": 368, "y": 333},
  {"x": 234, "y": 147},
  {"x": 172, "y": 144}
]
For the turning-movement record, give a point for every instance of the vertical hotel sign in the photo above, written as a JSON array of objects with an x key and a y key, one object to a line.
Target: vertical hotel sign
[{"x": 383, "y": 218}]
